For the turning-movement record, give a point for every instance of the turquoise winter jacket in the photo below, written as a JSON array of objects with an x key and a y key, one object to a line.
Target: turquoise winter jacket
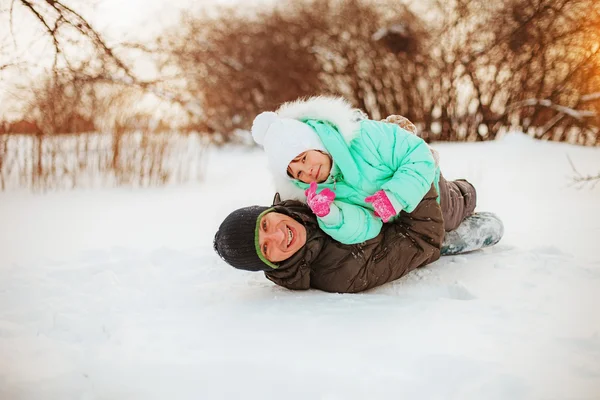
[{"x": 380, "y": 156}]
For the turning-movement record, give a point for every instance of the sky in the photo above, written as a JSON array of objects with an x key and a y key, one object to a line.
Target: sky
[{"x": 139, "y": 19}]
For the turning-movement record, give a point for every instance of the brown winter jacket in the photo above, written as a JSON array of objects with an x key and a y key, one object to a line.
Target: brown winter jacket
[{"x": 409, "y": 242}]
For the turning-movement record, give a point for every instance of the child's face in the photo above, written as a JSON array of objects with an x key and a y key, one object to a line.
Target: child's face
[{"x": 310, "y": 166}]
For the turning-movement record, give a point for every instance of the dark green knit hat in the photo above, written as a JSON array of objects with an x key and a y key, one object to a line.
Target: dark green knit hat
[{"x": 236, "y": 241}]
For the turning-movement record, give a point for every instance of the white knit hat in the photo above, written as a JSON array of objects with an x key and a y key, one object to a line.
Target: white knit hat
[{"x": 283, "y": 139}]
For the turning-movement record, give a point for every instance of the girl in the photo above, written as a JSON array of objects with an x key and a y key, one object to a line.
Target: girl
[{"x": 354, "y": 173}]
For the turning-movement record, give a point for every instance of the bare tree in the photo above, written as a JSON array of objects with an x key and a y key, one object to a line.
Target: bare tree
[
  {"x": 475, "y": 70},
  {"x": 244, "y": 61},
  {"x": 236, "y": 64},
  {"x": 375, "y": 60},
  {"x": 59, "y": 102},
  {"x": 525, "y": 63},
  {"x": 62, "y": 25}
]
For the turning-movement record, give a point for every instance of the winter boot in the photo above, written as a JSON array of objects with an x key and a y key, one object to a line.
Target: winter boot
[{"x": 479, "y": 230}]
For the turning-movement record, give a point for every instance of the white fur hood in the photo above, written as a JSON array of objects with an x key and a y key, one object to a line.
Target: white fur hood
[{"x": 324, "y": 108}]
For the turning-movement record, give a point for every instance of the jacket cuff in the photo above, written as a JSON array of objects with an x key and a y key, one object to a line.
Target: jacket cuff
[
  {"x": 334, "y": 218},
  {"x": 395, "y": 203}
]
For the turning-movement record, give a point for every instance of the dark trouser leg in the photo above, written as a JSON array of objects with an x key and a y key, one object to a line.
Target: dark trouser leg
[{"x": 458, "y": 200}]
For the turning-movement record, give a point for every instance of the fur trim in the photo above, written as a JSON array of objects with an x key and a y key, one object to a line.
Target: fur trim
[
  {"x": 325, "y": 108},
  {"x": 335, "y": 110},
  {"x": 288, "y": 189}
]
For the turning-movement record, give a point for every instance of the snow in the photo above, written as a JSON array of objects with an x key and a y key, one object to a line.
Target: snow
[{"x": 117, "y": 294}]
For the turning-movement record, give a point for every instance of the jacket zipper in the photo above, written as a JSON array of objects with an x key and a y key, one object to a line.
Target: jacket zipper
[{"x": 334, "y": 177}]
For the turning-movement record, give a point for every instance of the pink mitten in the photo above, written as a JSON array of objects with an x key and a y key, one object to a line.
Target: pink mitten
[
  {"x": 319, "y": 203},
  {"x": 382, "y": 205}
]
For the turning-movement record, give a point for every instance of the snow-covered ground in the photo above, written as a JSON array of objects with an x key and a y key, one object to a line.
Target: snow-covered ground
[{"x": 116, "y": 294}]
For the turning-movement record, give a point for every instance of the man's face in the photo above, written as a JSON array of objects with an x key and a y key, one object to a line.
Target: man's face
[
  {"x": 310, "y": 166},
  {"x": 280, "y": 236}
]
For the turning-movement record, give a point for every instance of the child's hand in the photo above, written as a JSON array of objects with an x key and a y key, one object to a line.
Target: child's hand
[
  {"x": 382, "y": 205},
  {"x": 319, "y": 203}
]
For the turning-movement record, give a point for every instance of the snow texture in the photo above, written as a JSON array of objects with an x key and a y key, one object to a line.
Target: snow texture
[{"x": 117, "y": 294}]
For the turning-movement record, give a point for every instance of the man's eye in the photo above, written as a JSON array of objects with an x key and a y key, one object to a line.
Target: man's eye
[
  {"x": 264, "y": 225},
  {"x": 299, "y": 174},
  {"x": 265, "y": 249},
  {"x": 303, "y": 158}
]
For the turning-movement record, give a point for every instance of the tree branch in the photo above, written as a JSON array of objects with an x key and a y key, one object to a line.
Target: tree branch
[
  {"x": 66, "y": 16},
  {"x": 579, "y": 115},
  {"x": 581, "y": 179},
  {"x": 590, "y": 97}
]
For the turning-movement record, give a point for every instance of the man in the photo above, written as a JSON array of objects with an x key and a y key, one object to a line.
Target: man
[{"x": 286, "y": 243}]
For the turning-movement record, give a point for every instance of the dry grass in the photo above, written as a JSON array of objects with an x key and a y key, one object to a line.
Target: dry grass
[{"x": 134, "y": 159}]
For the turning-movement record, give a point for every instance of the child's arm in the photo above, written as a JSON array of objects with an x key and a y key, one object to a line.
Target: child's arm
[
  {"x": 350, "y": 223},
  {"x": 407, "y": 155},
  {"x": 405, "y": 124}
]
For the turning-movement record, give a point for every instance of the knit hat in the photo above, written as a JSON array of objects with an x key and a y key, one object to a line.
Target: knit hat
[
  {"x": 236, "y": 241},
  {"x": 283, "y": 139}
]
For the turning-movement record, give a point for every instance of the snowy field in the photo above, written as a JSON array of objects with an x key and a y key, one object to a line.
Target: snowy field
[{"x": 116, "y": 294}]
